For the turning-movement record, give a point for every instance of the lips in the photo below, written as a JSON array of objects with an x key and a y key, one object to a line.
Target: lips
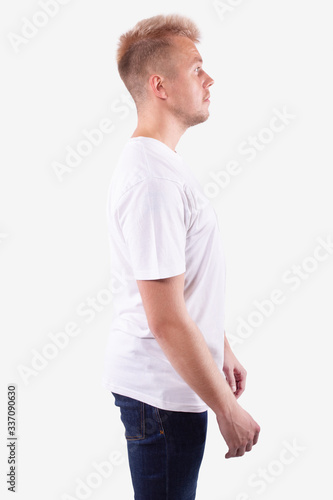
[{"x": 207, "y": 98}]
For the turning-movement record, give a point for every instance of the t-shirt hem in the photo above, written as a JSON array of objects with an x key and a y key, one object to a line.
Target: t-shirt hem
[
  {"x": 163, "y": 405},
  {"x": 162, "y": 273}
]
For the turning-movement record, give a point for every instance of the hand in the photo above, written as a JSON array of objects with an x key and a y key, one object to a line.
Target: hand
[
  {"x": 239, "y": 430},
  {"x": 234, "y": 372}
]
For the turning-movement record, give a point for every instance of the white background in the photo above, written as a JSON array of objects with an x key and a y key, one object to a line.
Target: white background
[{"x": 54, "y": 248}]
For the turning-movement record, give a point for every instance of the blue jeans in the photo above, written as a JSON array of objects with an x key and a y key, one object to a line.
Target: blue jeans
[{"x": 165, "y": 449}]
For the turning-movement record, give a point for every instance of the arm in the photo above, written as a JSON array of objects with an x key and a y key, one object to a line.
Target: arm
[{"x": 187, "y": 351}]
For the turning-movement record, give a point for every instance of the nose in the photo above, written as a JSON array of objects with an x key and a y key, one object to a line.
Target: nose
[{"x": 208, "y": 81}]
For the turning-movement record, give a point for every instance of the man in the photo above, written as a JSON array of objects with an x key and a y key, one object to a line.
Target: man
[{"x": 167, "y": 358}]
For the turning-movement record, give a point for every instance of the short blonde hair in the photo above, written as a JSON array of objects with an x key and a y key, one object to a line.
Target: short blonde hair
[{"x": 146, "y": 48}]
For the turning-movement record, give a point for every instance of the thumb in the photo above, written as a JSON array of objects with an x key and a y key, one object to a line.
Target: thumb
[{"x": 232, "y": 381}]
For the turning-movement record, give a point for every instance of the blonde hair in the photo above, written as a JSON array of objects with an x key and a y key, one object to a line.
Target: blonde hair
[{"x": 146, "y": 48}]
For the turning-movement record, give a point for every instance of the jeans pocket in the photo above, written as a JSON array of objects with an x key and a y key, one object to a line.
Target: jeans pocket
[{"x": 132, "y": 416}]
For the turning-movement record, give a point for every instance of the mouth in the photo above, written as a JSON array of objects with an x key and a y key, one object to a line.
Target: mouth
[{"x": 207, "y": 99}]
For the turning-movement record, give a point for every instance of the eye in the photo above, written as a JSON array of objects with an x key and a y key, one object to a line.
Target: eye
[{"x": 196, "y": 69}]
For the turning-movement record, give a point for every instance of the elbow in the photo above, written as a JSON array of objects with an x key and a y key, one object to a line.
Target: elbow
[{"x": 163, "y": 327}]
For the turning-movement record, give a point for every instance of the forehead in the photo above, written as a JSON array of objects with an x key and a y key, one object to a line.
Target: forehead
[{"x": 186, "y": 50}]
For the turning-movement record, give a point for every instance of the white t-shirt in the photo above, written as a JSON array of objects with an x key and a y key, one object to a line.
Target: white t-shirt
[{"x": 160, "y": 224}]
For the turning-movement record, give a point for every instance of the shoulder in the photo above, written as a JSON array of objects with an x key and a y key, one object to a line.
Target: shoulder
[{"x": 144, "y": 170}]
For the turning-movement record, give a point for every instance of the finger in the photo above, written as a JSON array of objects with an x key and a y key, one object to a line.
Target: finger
[
  {"x": 231, "y": 453},
  {"x": 241, "y": 382},
  {"x": 240, "y": 389},
  {"x": 240, "y": 451},
  {"x": 249, "y": 446},
  {"x": 256, "y": 437}
]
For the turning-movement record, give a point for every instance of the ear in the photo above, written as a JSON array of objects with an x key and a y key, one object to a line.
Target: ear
[{"x": 156, "y": 84}]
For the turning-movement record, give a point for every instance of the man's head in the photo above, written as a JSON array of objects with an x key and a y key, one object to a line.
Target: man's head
[{"x": 160, "y": 65}]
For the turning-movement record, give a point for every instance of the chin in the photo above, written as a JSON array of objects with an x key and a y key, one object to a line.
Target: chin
[
  {"x": 196, "y": 120},
  {"x": 189, "y": 120}
]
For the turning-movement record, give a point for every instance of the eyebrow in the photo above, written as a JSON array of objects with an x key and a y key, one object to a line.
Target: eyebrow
[{"x": 196, "y": 59}]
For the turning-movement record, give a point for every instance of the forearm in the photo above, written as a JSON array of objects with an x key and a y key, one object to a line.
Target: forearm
[
  {"x": 226, "y": 342},
  {"x": 187, "y": 351}
]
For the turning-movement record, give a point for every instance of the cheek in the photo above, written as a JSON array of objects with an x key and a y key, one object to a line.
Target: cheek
[
  {"x": 189, "y": 92},
  {"x": 193, "y": 91}
]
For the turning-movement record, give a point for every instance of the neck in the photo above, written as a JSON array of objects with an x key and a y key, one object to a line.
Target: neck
[{"x": 164, "y": 128}]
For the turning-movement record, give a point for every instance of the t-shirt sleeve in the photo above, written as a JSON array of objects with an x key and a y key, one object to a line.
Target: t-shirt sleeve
[{"x": 152, "y": 217}]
